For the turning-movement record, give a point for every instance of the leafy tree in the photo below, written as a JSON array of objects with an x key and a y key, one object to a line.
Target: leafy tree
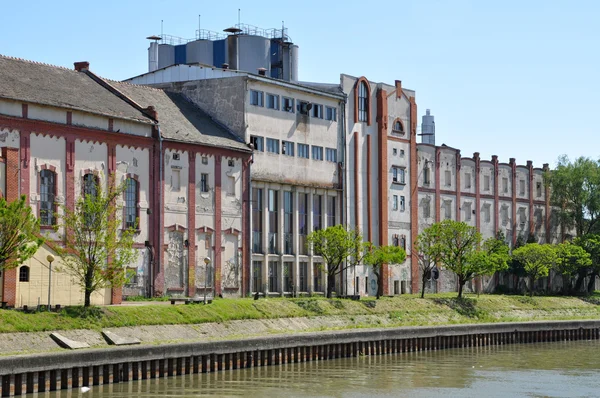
[
  {"x": 335, "y": 245},
  {"x": 96, "y": 250},
  {"x": 426, "y": 251},
  {"x": 377, "y": 256},
  {"x": 537, "y": 260},
  {"x": 19, "y": 233},
  {"x": 591, "y": 244},
  {"x": 570, "y": 260},
  {"x": 575, "y": 195},
  {"x": 359, "y": 249}
]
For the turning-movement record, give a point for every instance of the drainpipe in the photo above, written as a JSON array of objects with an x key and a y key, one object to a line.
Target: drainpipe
[
  {"x": 160, "y": 227},
  {"x": 343, "y": 200}
]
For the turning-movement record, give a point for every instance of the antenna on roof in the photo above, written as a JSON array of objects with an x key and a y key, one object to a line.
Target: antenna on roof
[
  {"x": 239, "y": 17},
  {"x": 199, "y": 20},
  {"x": 161, "y": 28}
]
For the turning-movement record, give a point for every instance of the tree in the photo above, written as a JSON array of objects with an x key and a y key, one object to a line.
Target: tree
[
  {"x": 335, "y": 245},
  {"x": 591, "y": 244},
  {"x": 570, "y": 261},
  {"x": 537, "y": 260},
  {"x": 19, "y": 233},
  {"x": 96, "y": 250},
  {"x": 426, "y": 252},
  {"x": 377, "y": 256},
  {"x": 575, "y": 195},
  {"x": 496, "y": 256}
]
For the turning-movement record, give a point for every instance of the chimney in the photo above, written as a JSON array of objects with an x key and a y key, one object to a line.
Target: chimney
[
  {"x": 262, "y": 71},
  {"x": 82, "y": 66},
  {"x": 151, "y": 111},
  {"x": 398, "y": 88},
  {"x": 225, "y": 66}
]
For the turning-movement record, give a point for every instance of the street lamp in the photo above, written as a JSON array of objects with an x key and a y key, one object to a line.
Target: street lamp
[
  {"x": 207, "y": 263},
  {"x": 50, "y": 259}
]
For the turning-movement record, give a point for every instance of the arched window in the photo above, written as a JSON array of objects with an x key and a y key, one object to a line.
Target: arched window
[
  {"x": 131, "y": 203},
  {"x": 398, "y": 128},
  {"x": 47, "y": 194},
  {"x": 363, "y": 102},
  {"x": 24, "y": 274}
]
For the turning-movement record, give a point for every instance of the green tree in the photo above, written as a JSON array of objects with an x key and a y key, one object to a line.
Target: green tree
[
  {"x": 493, "y": 257},
  {"x": 570, "y": 260},
  {"x": 96, "y": 250},
  {"x": 537, "y": 260},
  {"x": 335, "y": 245},
  {"x": 575, "y": 195},
  {"x": 19, "y": 233},
  {"x": 591, "y": 244},
  {"x": 377, "y": 256},
  {"x": 426, "y": 251}
]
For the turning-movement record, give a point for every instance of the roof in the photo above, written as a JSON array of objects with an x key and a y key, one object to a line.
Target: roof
[
  {"x": 38, "y": 83},
  {"x": 181, "y": 120}
]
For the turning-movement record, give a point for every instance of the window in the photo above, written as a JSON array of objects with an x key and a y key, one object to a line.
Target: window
[
  {"x": 486, "y": 183},
  {"x": 131, "y": 276},
  {"x": 395, "y": 202},
  {"x": 331, "y": 155},
  {"x": 288, "y": 222},
  {"x": 273, "y": 101},
  {"x": 303, "y": 151},
  {"x": 467, "y": 180},
  {"x": 467, "y": 207},
  {"x": 273, "y": 285},
  {"x": 505, "y": 185},
  {"x": 288, "y": 276},
  {"x": 205, "y": 159},
  {"x": 303, "y": 276},
  {"x": 363, "y": 102},
  {"x": 504, "y": 214},
  {"x": 303, "y": 107},
  {"x": 394, "y": 151},
  {"x": 90, "y": 190},
  {"x": 317, "y": 152},
  {"x": 287, "y": 148},
  {"x": 401, "y": 152},
  {"x": 318, "y": 278},
  {"x": 448, "y": 178},
  {"x": 403, "y": 242},
  {"x": 47, "y": 193},
  {"x": 331, "y": 211},
  {"x": 522, "y": 187},
  {"x": 258, "y": 143},
  {"x": 317, "y": 212},
  {"x": 273, "y": 220},
  {"x": 203, "y": 182},
  {"x": 288, "y": 105},
  {"x": 24, "y": 274},
  {"x": 426, "y": 209},
  {"x": 231, "y": 163},
  {"x": 230, "y": 185},
  {"x": 175, "y": 180},
  {"x": 447, "y": 209},
  {"x": 257, "y": 98},
  {"x": 257, "y": 276},
  {"x": 426, "y": 176},
  {"x": 330, "y": 113},
  {"x": 486, "y": 213},
  {"x": 402, "y": 203},
  {"x": 538, "y": 189},
  {"x": 176, "y": 156},
  {"x": 272, "y": 145},
  {"x": 257, "y": 219},
  {"x": 302, "y": 222},
  {"x": 395, "y": 241},
  {"x": 398, "y": 175},
  {"x": 317, "y": 111},
  {"x": 397, "y": 127},
  {"x": 131, "y": 203}
]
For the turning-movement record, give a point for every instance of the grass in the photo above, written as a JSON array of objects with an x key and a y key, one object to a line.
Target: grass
[{"x": 408, "y": 310}]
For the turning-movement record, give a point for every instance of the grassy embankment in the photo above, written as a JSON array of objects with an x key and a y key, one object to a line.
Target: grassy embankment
[{"x": 396, "y": 311}]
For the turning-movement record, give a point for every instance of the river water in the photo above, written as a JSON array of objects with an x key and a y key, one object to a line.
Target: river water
[{"x": 564, "y": 369}]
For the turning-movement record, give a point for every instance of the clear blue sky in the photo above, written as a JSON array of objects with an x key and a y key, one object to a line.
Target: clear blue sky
[{"x": 511, "y": 78}]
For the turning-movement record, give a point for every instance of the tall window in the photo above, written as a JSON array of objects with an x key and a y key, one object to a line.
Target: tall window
[
  {"x": 330, "y": 113},
  {"x": 258, "y": 143},
  {"x": 505, "y": 185},
  {"x": 24, "y": 274},
  {"x": 395, "y": 202},
  {"x": 131, "y": 202},
  {"x": 47, "y": 193},
  {"x": 448, "y": 177},
  {"x": 426, "y": 176},
  {"x": 273, "y": 285},
  {"x": 317, "y": 152},
  {"x": 287, "y": 148},
  {"x": 303, "y": 151},
  {"x": 467, "y": 180},
  {"x": 204, "y": 182},
  {"x": 257, "y": 220},
  {"x": 90, "y": 190},
  {"x": 330, "y": 211},
  {"x": 288, "y": 276},
  {"x": 288, "y": 222},
  {"x": 398, "y": 175},
  {"x": 331, "y": 154},
  {"x": 303, "y": 276},
  {"x": 273, "y": 221},
  {"x": 402, "y": 203},
  {"x": 257, "y": 276},
  {"x": 317, "y": 212},
  {"x": 257, "y": 98},
  {"x": 397, "y": 127},
  {"x": 318, "y": 277},
  {"x": 363, "y": 101},
  {"x": 426, "y": 209},
  {"x": 302, "y": 222},
  {"x": 317, "y": 111},
  {"x": 486, "y": 183},
  {"x": 272, "y": 145},
  {"x": 273, "y": 101}
]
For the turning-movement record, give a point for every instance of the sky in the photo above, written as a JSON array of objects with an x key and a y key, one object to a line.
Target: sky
[{"x": 513, "y": 78}]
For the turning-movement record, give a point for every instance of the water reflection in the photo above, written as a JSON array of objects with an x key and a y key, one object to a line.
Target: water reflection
[{"x": 567, "y": 369}]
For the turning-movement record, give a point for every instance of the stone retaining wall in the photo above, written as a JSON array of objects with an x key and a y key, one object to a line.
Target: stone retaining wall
[{"x": 73, "y": 369}]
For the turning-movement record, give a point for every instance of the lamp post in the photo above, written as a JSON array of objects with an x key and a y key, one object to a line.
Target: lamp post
[
  {"x": 207, "y": 263},
  {"x": 50, "y": 259}
]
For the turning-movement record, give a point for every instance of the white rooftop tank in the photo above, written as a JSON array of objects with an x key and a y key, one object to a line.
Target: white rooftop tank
[{"x": 428, "y": 128}]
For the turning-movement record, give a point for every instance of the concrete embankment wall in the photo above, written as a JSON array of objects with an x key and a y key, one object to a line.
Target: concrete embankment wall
[{"x": 47, "y": 372}]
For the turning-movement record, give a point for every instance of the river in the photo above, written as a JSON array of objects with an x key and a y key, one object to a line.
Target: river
[{"x": 564, "y": 369}]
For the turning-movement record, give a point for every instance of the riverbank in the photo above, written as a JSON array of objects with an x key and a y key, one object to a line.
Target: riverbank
[{"x": 407, "y": 310}]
